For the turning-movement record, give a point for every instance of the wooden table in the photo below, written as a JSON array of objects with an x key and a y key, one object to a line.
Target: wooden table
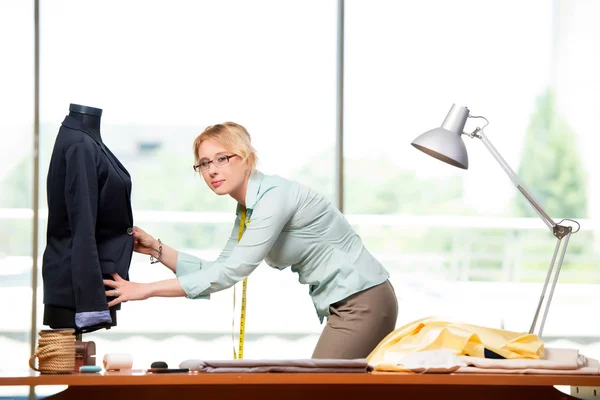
[{"x": 134, "y": 384}]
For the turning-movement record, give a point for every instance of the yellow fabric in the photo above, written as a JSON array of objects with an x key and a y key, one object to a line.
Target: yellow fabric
[{"x": 462, "y": 339}]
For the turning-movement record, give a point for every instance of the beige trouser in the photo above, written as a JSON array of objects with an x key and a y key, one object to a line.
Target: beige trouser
[{"x": 358, "y": 323}]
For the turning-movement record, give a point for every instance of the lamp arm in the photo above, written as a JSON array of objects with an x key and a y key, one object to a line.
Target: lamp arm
[
  {"x": 558, "y": 230},
  {"x": 516, "y": 180}
]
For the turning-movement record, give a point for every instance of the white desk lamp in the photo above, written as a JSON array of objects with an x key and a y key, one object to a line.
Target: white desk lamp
[{"x": 445, "y": 143}]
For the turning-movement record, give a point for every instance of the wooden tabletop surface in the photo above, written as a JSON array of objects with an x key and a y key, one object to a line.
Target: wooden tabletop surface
[{"x": 139, "y": 377}]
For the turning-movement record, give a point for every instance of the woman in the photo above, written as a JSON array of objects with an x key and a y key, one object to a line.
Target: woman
[{"x": 288, "y": 225}]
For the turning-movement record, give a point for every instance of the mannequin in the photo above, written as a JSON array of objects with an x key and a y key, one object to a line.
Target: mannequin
[
  {"x": 89, "y": 234},
  {"x": 89, "y": 117}
]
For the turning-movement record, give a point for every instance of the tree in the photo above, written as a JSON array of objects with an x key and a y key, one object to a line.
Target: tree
[
  {"x": 380, "y": 187},
  {"x": 551, "y": 166}
]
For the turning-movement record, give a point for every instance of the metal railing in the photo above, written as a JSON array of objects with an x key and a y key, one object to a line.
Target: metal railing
[
  {"x": 460, "y": 262},
  {"x": 427, "y": 278}
]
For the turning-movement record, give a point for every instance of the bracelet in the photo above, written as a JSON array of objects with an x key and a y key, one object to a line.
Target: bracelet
[{"x": 152, "y": 260}]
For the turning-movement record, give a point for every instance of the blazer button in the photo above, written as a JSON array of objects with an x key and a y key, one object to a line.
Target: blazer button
[{"x": 130, "y": 231}]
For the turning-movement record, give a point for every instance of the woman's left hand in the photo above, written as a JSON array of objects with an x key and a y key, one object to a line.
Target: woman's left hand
[{"x": 125, "y": 290}]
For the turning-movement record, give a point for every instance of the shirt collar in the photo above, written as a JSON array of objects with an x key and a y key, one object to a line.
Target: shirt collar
[{"x": 253, "y": 188}]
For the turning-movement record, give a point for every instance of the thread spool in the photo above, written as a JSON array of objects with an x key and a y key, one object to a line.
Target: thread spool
[
  {"x": 117, "y": 362},
  {"x": 55, "y": 352}
]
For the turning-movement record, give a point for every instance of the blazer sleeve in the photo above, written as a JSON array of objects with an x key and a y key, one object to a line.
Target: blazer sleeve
[
  {"x": 270, "y": 215},
  {"x": 81, "y": 198}
]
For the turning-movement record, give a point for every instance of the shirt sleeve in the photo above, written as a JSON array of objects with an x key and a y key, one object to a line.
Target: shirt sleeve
[
  {"x": 187, "y": 263},
  {"x": 239, "y": 259}
]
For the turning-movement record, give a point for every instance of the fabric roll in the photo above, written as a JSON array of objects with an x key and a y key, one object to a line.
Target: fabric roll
[{"x": 289, "y": 366}]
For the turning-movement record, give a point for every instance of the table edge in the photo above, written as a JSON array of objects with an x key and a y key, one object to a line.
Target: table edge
[{"x": 200, "y": 379}]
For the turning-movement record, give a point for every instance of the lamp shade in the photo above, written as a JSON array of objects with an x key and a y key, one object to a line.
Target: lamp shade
[{"x": 445, "y": 143}]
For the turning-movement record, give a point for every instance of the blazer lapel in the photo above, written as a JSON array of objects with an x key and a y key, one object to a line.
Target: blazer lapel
[{"x": 72, "y": 123}]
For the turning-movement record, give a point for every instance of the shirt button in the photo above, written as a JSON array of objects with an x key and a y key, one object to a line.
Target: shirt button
[{"x": 130, "y": 231}]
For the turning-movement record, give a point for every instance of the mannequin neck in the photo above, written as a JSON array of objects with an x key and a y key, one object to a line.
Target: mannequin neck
[{"x": 90, "y": 122}]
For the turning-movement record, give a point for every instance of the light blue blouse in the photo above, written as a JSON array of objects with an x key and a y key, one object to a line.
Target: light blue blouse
[{"x": 289, "y": 225}]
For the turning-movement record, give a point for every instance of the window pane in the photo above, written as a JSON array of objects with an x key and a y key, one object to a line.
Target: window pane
[
  {"x": 444, "y": 232},
  {"x": 16, "y": 184},
  {"x": 183, "y": 67}
]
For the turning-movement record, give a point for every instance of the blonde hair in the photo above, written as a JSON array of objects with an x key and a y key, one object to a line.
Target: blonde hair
[{"x": 233, "y": 137}]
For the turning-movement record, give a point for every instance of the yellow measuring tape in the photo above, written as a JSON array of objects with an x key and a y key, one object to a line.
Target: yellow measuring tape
[{"x": 243, "y": 224}]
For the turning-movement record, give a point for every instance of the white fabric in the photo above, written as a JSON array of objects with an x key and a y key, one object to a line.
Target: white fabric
[{"x": 555, "y": 361}]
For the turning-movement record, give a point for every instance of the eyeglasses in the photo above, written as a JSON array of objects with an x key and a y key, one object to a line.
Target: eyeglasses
[{"x": 217, "y": 162}]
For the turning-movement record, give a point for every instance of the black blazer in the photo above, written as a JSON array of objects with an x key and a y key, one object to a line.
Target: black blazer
[{"x": 90, "y": 220}]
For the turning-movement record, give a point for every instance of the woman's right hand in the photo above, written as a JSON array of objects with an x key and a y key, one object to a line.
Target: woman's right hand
[{"x": 143, "y": 243}]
